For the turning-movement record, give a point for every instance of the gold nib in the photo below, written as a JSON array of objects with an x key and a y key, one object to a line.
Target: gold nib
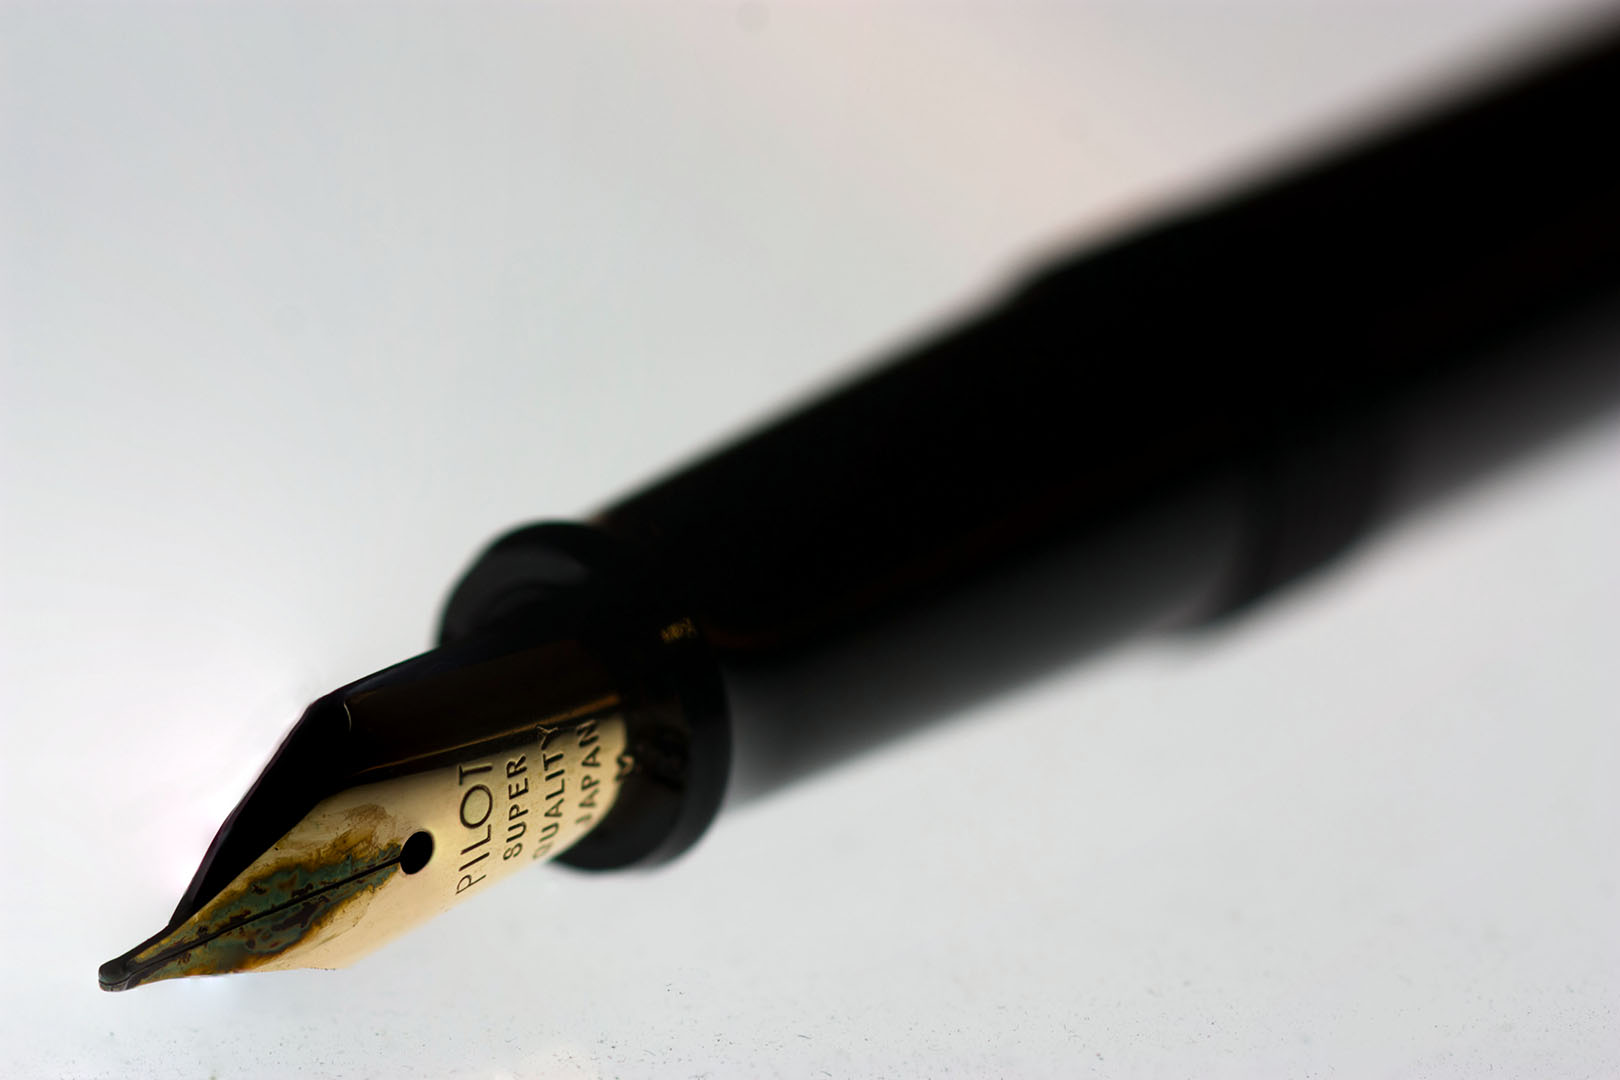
[
  {"x": 391, "y": 800},
  {"x": 372, "y": 862}
]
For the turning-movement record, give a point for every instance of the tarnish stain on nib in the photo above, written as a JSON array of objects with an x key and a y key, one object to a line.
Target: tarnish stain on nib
[
  {"x": 257, "y": 941},
  {"x": 286, "y": 898}
]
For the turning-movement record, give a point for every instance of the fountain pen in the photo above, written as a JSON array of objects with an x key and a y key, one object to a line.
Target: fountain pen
[{"x": 1148, "y": 436}]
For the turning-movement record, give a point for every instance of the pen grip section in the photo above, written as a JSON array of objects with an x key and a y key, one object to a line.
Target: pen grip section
[{"x": 570, "y": 585}]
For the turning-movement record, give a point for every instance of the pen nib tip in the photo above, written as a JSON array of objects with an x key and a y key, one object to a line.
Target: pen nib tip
[{"x": 121, "y": 973}]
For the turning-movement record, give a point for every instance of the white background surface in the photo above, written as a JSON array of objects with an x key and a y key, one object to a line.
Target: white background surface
[{"x": 299, "y": 305}]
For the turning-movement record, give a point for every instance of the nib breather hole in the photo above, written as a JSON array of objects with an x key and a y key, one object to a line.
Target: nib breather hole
[{"x": 416, "y": 852}]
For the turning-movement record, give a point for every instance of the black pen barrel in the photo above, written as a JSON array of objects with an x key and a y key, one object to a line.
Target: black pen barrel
[
  {"x": 1148, "y": 436},
  {"x": 1158, "y": 431}
]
